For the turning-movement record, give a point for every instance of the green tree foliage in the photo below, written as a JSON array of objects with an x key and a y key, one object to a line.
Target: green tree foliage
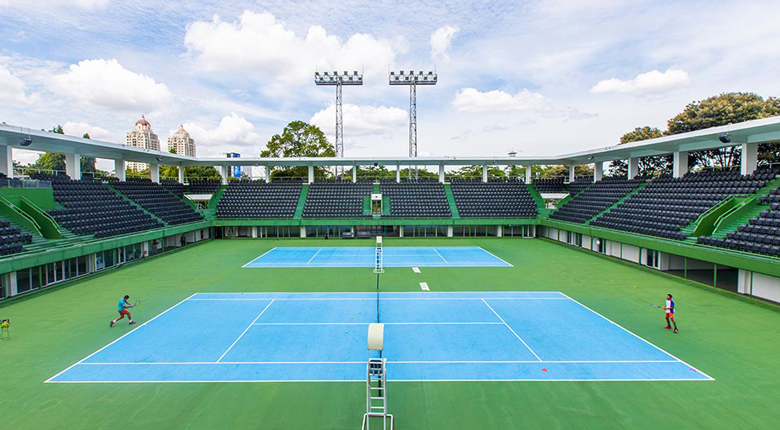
[
  {"x": 563, "y": 171},
  {"x": 201, "y": 172},
  {"x": 87, "y": 163},
  {"x": 421, "y": 173},
  {"x": 371, "y": 172},
  {"x": 475, "y": 172},
  {"x": 652, "y": 166},
  {"x": 49, "y": 161},
  {"x": 299, "y": 139}
]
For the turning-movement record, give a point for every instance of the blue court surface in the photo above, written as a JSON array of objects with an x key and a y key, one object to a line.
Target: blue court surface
[
  {"x": 459, "y": 336},
  {"x": 394, "y": 256}
]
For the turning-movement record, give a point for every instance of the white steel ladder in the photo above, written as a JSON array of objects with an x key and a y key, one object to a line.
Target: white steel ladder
[{"x": 376, "y": 393}]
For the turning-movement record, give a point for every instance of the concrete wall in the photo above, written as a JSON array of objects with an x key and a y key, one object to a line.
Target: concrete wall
[{"x": 764, "y": 286}]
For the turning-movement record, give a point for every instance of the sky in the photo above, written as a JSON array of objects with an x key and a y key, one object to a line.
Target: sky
[{"x": 535, "y": 77}]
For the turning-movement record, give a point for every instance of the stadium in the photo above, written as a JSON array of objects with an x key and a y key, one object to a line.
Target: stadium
[{"x": 326, "y": 290}]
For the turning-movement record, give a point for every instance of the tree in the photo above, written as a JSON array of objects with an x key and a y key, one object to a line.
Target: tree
[
  {"x": 88, "y": 163},
  {"x": 558, "y": 171},
  {"x": 422, "y": 173},
  {"x": 167, "y": 172},
  {"x": 48, "y": 162},
  {"x": 724, "y": 109},
  {"x": 202, "y": 172},
  {"x": 299, "y": 139},
  {"x": 475, "y": 172},
  {"x": 653, "y": 165}
]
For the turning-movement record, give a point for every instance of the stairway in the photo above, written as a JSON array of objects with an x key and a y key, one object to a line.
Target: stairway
[
  {"x": 301, "y": 202},
  {"x": 451, "y": 201},
  {"x": 621, "y": 200}
]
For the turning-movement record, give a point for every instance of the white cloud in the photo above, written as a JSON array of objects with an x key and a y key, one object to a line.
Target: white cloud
[
  {"x": 107, "y": 84},
  {"x": 263, "y": 46},
  {"x": 79, "y": 128},
  {"x": 11, "y": 87},
  {"x": 650, "y": 82},
  {"x": 362, "y": 120},
  {"x": 83, "y": 4},
  {"x": 440, "y": 42},
  {"x": 473, "y": 100},
  {"x": 232, "y": 131}
]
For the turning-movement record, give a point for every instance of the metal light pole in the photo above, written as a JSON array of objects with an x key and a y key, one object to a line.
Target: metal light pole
[
  {"x": 338, "y": 79},
  {"x": 413, "y": 79}
]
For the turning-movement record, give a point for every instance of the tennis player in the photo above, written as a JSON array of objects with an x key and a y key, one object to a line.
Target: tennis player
[
  {"x": 669, "y": 308},
  {"x": 122, "y": 308}
]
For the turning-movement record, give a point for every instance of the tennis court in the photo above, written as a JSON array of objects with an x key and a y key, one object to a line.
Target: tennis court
[
  {"x": 457, "y": 336},
  {"x": 394, "y": 256}
]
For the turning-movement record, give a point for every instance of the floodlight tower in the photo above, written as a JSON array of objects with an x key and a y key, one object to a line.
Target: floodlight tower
[
  {"x": 413, "y": 79},
  {"x": 338, "y": 79}
]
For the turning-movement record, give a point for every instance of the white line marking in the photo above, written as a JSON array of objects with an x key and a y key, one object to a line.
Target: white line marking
[
  {"x": 202, "y": 363},
  {"x": 245, "y": 330},
  {"x": 496, "y": 256},
  {"x": 416, "y": 269},
  {"x": 257, "y": 258},
  {"x": 640, "y": 338},
  {"x": 383, "y": 298},
  {"x": 363, "y": 381},
  {"x": 442, "y": 258},
  {"x": 393, "y": 323},
  {"x": 117, "y": 339},
  {"x": 424, "y": 286},
  {"x": 314, "y": 256},
  {"x": 510, "y": 329}
]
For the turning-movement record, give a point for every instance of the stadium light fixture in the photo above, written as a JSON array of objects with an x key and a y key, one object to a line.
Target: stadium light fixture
[
  {"x": 725, "y": 138},
  {"x": 338, "y": 80},
  {"x": 413, "y": 79}
]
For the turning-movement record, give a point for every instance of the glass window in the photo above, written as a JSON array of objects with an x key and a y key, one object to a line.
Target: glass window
[{"x": 23, "y": 281}]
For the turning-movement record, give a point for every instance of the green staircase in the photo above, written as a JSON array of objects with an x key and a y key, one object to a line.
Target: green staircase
[
  {"x": 301, "y": 202},
  {"x": 621, "y": 200},
  {"x": 451, "y": 201}
]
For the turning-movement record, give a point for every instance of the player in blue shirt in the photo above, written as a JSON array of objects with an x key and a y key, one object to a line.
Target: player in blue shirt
[
  {"x": 122, "y": 308},
  {"x": 669, "y": 308}
]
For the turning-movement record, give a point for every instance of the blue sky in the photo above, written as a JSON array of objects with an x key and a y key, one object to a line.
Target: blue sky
[{"x": 537, "y": 77}]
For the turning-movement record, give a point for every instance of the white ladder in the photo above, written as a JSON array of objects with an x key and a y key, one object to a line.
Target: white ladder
[{"x": 376, "y": 393}]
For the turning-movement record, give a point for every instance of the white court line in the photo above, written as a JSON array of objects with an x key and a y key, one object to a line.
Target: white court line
[
  {"x": 383, "y": 298},
  {"x": 257, "y": 258},
  {"x": 314, "y": 256},
  {"x": 496, "y": 256},
  {"x": 424, "y": 286},
  {"x": 395, "y": 323},
  {"x": 442, "y": 258},
  {"x": 510, "y": 329},
  {"x": 363, "y": 381},
  {"x": 245, "y": 330},
  {"x": 117, "y": 339},
  {"x": 204, "y": 363},
  {"x": 640, "y": 338}
]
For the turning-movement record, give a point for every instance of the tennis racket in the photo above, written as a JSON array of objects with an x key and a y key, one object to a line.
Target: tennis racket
[
  {"x": 137, "y": 302},
  {"x": 657, "y": 306}
]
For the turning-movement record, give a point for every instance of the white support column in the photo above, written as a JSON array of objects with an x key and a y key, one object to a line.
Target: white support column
[
  {"x": 268, "y": 170},
  {"x": 484, "y": 172},
  {"x": 154, "y": 172},
  {"x": 528, "y": 169},
  {"x": 749, "y": 158},
  {"x": 73, "y": 166},
  {"x": 499, "y": 231},
  {"x": 254, "y": 232},
  {"x": 119, "y": 168},
  {"x": 223, "y": 170},
  {"x": 680, "y": 163},
  {"x": 571, "y": 173},
  {"x": 450, "y": 231},
  {"x": 303, "y": 231},
  {"x": 441, "y": 173},
  {"x": 7, "y": 160},
  {"x": 633, "y": 167},
  {"x": 354, "y": 173},
  {"x": 598, "y": 171},
  {"x": 311, "y": 174},
  {"x": 400, "y": 231},
  {"x": 181, "y": 173},
  {"x": 398, "y": 173}
]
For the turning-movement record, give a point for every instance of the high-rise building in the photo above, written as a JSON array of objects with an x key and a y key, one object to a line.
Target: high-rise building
[
  {"x": 182, "y": 143},
  {"x": 142, "y": 136}
]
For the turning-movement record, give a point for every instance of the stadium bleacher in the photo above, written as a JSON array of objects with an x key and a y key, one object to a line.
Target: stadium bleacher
[
  {"x": 667, "y": 204},
  {"x": 258, "y": 199},
  {"x": 416, "y": 199},
  {"x": 336, "y": 199},
  {"x": 579, "y": 184},
  {"x": 493, "y": 199},
  {"x": 176, "y": 187},
  {"x": 204, "y": 186},
  {"x": 12, "y": 238},
  {"x": 158, "y": 200},
  {"x": 595, "y": 199},
  {"x": 90, "y": 207},
  {"x": 552, "y": 185}
]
